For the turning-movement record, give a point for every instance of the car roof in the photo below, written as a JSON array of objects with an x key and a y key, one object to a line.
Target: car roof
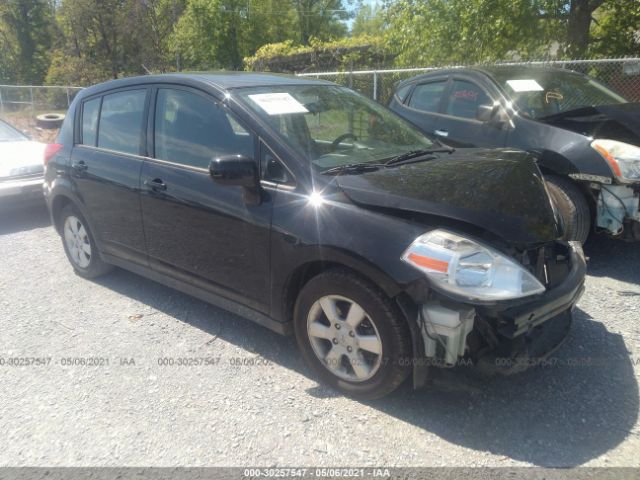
[
  {"x": 219, "y": 80},
  {"x": 495, "y": 72}
]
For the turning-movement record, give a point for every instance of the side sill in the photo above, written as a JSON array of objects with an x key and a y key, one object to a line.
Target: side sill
[{"x": 217, "y": 300}]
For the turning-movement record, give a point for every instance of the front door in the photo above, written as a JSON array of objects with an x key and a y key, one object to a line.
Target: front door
[
  {"x": 196, "y": 230},
  {"x": 458, "y": 126}
]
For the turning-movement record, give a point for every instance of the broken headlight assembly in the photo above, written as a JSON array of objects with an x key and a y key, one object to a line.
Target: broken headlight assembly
[
  {"x": 623, "y": 158},
  {"x": 467, "y": 268}
]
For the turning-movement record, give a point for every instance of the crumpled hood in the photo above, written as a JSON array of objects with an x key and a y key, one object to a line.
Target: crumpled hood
[
  {"x": 615, "y": 122},
  {"x": 501, "y": 191},
  {"x": 21, "y": 158}
]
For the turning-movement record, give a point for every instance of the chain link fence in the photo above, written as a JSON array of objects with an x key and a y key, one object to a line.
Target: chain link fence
[
  {"x": 621, "y": 74},
  {"x": 21, "y": 104}
]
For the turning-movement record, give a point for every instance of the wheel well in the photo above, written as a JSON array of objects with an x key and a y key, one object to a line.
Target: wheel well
[
  {"x": 57, "y": 205},
  {"x": 298, "y": 279}
]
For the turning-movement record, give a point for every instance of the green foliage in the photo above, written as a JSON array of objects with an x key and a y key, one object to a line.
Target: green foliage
[
  {"x": 616, "y": 31},
  {"x": 346, "y": 53},
  {"x": 85, "y": 41},
  {"x": 26, "y": 29},
  {"x": 369, "y": 20},
  {"x": 465, "y": 31}
]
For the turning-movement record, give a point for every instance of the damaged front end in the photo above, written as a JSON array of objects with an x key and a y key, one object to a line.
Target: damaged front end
[{"x": 505, "y": 335}]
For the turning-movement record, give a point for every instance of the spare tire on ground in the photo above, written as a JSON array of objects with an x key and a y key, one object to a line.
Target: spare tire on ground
[{"x": 50, "y": 120}]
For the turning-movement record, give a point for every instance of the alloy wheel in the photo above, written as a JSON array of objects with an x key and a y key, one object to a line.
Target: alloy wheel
[
  {"x": 344, "y": 338},
  {"x": 77, "y": 241}
]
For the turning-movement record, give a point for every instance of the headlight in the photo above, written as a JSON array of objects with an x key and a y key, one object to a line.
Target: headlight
[
  {"x": 623, "y": 158},
  {"x": 467, "y": 268}
]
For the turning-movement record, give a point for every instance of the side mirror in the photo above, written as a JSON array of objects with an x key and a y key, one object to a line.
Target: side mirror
[
  {"x": 494, "y": 115},
  {"x": 485, "y": 112},
  {"x": 234, "y": 170}
]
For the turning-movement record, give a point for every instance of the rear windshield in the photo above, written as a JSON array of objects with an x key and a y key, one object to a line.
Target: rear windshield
[{"x": 541, "y": 93}]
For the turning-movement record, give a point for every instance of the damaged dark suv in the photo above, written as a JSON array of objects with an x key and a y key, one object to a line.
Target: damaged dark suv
[
  {"x": 310, "y": 209},
  {"x": 586, "y": 136}
]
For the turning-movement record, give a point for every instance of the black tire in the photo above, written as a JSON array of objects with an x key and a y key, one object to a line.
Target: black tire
[
  {"x": 95, "y": 266},
  {"x": 395, "y": 359},
  {"x": 573, "y": 207},
  {"x": 50, "y": 120}
]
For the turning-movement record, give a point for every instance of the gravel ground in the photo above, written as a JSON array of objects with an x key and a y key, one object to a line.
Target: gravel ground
[{"x": 582, "y": 409}]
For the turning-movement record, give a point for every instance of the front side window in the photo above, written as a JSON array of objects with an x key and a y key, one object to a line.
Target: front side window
[
  {"x": 192, "y": 130},
  {"x": 465, "y": 98},
  {"x": 90, "y": 112},
  {"x": 331, "y": 125},
  {"x": 121, "y": 121},
  {"x": 426, "y": 97}
]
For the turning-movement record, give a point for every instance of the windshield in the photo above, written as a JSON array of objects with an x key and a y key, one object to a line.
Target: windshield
[
  {"x": 9, "y": 134},
  {"x": 332, "y": 125},
  {"x": 540, "y": 93}
]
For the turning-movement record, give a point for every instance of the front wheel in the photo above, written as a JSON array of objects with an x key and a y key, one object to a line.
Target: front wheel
[
  {"x": 573, "y": 207},
  {"x": 352, "y": 335}
]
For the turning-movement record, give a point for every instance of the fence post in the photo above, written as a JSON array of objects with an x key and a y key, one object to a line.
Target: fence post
[
  {"x": 375, "y": 85},
  {"x": 33, "y": 107},
  {"x": 1, "y": 103},
  {"x": 68, "y": 100}
]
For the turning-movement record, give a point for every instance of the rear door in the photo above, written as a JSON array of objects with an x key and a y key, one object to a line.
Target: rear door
[
  {"x": 196, "y": 230},
  {"x": 458, "y": 125},
  {"x": 423, "y": 104},
  {"x": 105, "y": 168}
]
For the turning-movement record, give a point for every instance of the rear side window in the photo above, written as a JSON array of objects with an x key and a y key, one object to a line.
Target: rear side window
[
  {"x": 426, "y": 97},
  {"x": 90, "y": 112},
  {"x": 465, "y": 98},
  {"x": 121, "y": 121},
  {"x": 191, "y": 130}
]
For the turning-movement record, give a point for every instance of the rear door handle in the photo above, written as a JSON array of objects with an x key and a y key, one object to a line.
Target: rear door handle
[
  {"x": 442, "y": 133},
  {"x": 80, "y": 167},
  {"x": 157, "y": 185}
]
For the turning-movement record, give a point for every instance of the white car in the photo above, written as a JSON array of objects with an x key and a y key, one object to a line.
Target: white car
[{"x": 21, "y": 166}]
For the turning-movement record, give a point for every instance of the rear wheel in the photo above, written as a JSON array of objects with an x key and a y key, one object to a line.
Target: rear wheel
[
  {"x": 573, "y": 207},
  {"x": 79, "y": 244},
  {"x": 352, "y": 335}
]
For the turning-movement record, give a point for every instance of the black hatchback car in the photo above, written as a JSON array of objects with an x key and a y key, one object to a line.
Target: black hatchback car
[
  {"x": 586, "y": 136},
  {"x": 310, "y": 209}
]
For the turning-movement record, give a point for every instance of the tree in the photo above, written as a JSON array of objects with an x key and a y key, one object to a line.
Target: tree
[
  {"x": 220, "y": 33},
  {"x": 321, "y": 19},
  {"x": 617, "y": 29},
  {"x": 369, "y": 20},
  {"x": 25, "y": 39},
  {"x": 579, "y": 25}
]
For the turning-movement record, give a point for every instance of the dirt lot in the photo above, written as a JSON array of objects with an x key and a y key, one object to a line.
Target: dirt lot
[
  {"x": 255, "y": 403},
  {"x": 26, "y": 122}
]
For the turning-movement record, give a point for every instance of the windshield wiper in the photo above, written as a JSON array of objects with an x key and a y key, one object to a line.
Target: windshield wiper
[
  {"x": 415, "y": 156},
  {"x": 353, "y": 167}
]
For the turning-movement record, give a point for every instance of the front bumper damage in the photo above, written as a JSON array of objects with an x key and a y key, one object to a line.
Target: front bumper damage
[
  {"x": 618, "y": 210},
  {"x": 504, "y": 337}
]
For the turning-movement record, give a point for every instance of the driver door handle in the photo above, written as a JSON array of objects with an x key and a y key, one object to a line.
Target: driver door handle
[
  {"x": 157, "y": 185},
  {"x": 441, "y": 133}
]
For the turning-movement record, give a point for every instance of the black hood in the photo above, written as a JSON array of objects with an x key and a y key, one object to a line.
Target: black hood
[
  {"x": 501, "y": 191},
  {"x": 616, "y": 122}
]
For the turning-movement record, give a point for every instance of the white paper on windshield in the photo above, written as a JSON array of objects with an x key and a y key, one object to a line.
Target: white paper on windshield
[
  {"x": 278, "y": 103},
  {"x": 525, "y": 85}
]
